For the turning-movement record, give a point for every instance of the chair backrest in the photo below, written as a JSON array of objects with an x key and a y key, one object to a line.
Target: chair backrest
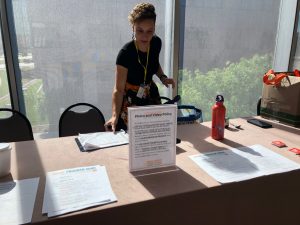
[
  {"x": 72, "y": 123},
  {"x": 14, "y": 128},
  {"x": 258, "y": 106}
]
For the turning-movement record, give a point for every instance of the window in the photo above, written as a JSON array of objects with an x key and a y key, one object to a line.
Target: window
[
  {"x": 295, "y": 59},
  {"x": 226, "y": 47},
  {"x": 4, "y": 90},
  {"x": 67, "y": 52}
]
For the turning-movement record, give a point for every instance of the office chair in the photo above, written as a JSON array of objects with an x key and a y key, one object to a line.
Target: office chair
[
  {"x": 72, "y": 123},
  {"x": 15, "y": 128}
]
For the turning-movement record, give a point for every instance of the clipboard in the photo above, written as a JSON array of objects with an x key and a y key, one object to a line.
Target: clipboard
[{"x": 100, "y": 140}]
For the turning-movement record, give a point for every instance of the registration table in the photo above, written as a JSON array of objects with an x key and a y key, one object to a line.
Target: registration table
[{"x": 187, "y": 195}]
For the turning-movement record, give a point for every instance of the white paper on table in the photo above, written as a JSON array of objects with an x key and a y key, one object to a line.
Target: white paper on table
[
  {"x": 17, "y": 201},
  {"x": 152, "y": 136},
  {"x": 77, "y": 188},
  {"x": 61, "y": 212},
  {"x": 92, "y": 141},
  {"x": 243, "y": 163}
]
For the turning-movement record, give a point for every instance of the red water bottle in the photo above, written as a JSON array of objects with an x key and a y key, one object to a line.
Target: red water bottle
[{"x": 218, "y": 119}]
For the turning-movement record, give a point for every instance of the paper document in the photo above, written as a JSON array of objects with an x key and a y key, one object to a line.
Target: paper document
[
  {"x": 152, "y": 136},
  {"x": 17, "y": 201},
  {"x": 77, "y": 188},
  {"x": 244, "y": 163},
  {"x": 98, "y": 140}
]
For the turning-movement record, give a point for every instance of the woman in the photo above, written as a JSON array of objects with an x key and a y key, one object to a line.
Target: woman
[{"x": 136, "y": 64}]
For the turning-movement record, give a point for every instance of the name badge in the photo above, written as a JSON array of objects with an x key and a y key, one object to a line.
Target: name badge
[{"x": 141, "y": 91}]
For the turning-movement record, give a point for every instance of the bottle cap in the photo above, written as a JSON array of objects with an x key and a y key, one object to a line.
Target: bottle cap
[{"x": 220, "y": 98}]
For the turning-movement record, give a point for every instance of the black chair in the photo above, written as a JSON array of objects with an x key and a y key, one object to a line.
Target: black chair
[
  {"x": 258, "y": 106},
  {"x": 72, "y": 123},
  {"x": 14, "y": 128}
]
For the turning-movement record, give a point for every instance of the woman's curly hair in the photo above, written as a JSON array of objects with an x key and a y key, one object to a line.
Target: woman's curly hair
[{"x": 141, "y": 12}]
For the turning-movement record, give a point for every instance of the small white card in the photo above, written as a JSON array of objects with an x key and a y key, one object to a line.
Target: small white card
[
  {"x": 152, "y": 136},
  {"x": 140, "y": 92}
]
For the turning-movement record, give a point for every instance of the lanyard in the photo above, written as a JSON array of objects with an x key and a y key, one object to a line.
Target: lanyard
[{"x": 139, "y": 60}]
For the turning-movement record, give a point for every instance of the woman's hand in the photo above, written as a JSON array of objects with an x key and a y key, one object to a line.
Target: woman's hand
[
  {"x": 111, "y": 124},
  {"x": 166, "y": 81}
]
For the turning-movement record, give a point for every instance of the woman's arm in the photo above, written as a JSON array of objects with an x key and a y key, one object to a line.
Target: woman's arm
[
  {"x": 164, "y": 79},
  {"x": 117, "y": 96}
]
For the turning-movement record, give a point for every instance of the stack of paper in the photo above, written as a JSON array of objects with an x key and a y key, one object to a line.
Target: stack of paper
[
  {"x": 17, "y": 201},
  {"x": 77, "y": 188},
  {"x": 98, "y": 140}
]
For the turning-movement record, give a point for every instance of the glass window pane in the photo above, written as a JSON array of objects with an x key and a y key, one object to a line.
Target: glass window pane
[
  {"x": 4, "y": 90},
  {"x": 226, "y": 48},
  {"x": 67, "y": 52},
  {"x": 295, "y": 60}
]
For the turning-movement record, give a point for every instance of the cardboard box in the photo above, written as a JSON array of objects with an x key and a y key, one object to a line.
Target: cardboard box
[{"x": 282, "y": 103}]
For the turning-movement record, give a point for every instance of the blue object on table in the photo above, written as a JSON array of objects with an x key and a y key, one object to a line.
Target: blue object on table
[{"x": 189, "y": 113}]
